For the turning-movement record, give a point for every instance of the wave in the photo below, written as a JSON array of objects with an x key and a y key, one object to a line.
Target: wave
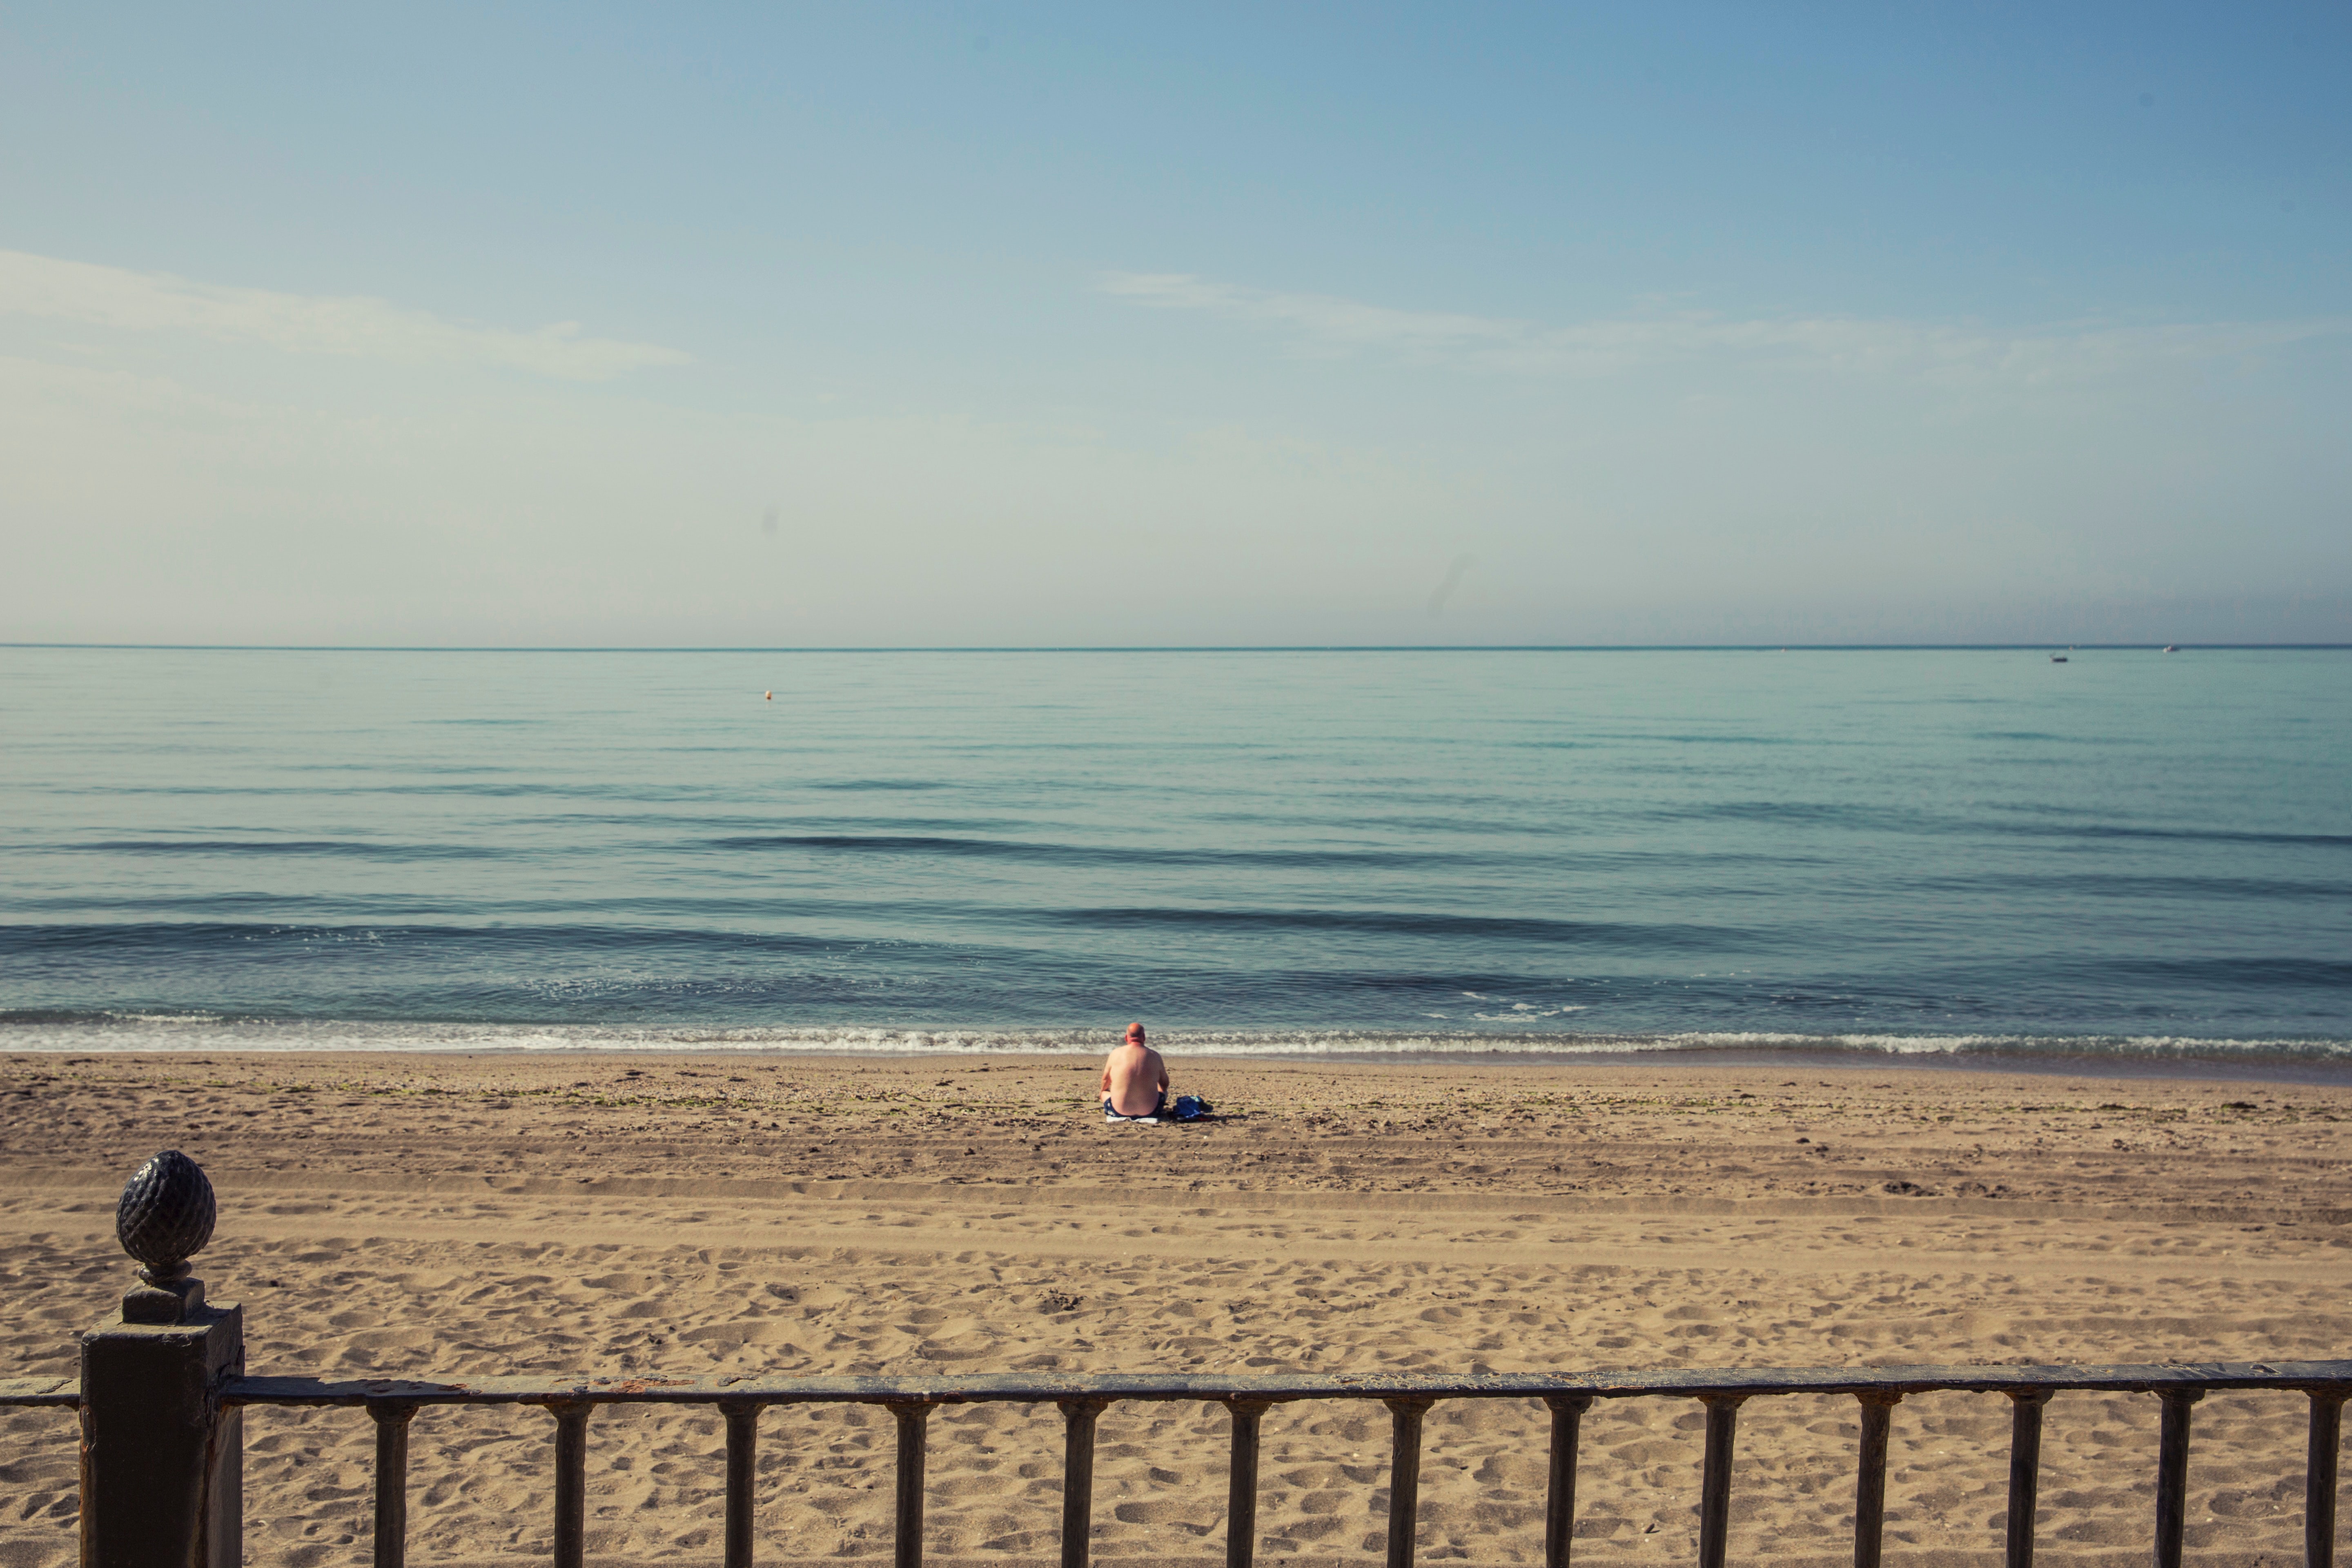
[
  {"x": 959, "y": 932},
  {"x": 1656, "y": 935},
  {"x": 49, "y": 1030},
  {"x": 1852, "y": 816},
  {"x": 1077, "y": 854},
  {"x": 172, "y": 940},
  {"x": 346, "y": 848}
]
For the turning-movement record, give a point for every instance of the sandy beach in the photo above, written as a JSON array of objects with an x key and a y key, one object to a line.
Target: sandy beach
[{"x": 417, "y": 1214}]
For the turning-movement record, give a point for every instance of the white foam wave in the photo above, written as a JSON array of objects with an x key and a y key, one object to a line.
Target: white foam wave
[{"x": 128, "y": 1031}]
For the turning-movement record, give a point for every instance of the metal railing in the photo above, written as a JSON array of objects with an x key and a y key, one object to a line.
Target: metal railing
[
  {"x": 34, "y": 1392},
  {"x": 911, "y": 1400}
]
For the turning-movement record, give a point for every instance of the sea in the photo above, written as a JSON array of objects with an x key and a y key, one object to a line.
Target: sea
[{"x": 2121, "y": 857}]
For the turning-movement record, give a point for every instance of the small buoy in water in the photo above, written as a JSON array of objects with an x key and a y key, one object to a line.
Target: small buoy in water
[{"x": 767, "y": 697}]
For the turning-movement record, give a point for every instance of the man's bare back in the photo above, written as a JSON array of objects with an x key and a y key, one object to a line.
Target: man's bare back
[{"x": 1135, "y": 1079}]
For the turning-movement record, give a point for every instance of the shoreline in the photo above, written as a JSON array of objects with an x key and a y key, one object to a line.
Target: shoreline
[{"x": 2330, "y": 1063}]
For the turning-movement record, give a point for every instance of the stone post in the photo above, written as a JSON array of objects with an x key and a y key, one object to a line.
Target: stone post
[{"x": 162, "y": 1463}]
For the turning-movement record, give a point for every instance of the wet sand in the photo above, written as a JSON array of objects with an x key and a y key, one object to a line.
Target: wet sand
[{"x": 734, "y": 1213}]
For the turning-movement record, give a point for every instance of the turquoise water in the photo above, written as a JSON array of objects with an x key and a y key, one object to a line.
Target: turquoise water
[{"x": 2129, "y": 853}]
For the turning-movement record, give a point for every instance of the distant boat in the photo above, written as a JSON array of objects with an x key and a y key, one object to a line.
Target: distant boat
[
  {"x": 2057, "y": 659},
  {"x": 2172, "y": 647}
]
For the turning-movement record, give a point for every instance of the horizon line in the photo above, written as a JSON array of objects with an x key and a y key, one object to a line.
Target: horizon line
[{"x": 2043, "y": 647}]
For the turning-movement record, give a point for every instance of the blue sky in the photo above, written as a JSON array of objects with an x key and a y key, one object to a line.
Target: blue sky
[{"x": 1031, "y": 325}]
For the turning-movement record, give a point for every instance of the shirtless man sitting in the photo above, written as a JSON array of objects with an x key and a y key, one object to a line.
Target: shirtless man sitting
[{"x": 1135, "y": 1079}]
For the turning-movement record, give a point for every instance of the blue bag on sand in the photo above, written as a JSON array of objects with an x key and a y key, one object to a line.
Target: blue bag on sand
[{"x": 1188, "y": 1107}]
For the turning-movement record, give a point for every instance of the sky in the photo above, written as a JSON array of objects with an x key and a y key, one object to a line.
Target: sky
[{"x": 886, "y": 325}]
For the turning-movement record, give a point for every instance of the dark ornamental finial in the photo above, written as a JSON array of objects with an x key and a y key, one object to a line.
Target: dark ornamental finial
[{"x": 164, "y": 1218}]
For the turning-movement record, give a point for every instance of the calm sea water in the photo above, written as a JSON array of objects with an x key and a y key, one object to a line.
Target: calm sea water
[{"x": 2130, "y": 853}]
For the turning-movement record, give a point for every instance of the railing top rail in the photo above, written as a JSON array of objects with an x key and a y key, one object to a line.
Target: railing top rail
[
  {"x": 967, "y": 1389},
  {"x": 20, "y": 1391}
]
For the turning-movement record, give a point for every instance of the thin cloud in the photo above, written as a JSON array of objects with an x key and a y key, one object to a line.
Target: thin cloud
[
  {"x": 1324, "y": 316},
  {"x": 350, "y": 326},
  {"x": 1611, "y": 344}
]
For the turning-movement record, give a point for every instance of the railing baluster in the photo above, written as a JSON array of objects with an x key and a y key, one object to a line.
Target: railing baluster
[
  {"x": 2025, "y": 1472},
  {"x": 392, "y": 1482},
  {"x": 742, "y": 1472},
  {"x": 1241, "y": 1484},
  {"x": 913, "y": 1419},
  {"x": 2172, "y": 1474},
  {"x": 1715, "y": 1482},
  {"x": 1405, "y": 1478},
  {"x": 2319, "y": 1477},
  {"x": 1870, "y": 1477},
  {"x": 1560, "y": 1496},
  {"x": 1077, "y": 1477},
  {"x": 570, "y": 1479}
]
